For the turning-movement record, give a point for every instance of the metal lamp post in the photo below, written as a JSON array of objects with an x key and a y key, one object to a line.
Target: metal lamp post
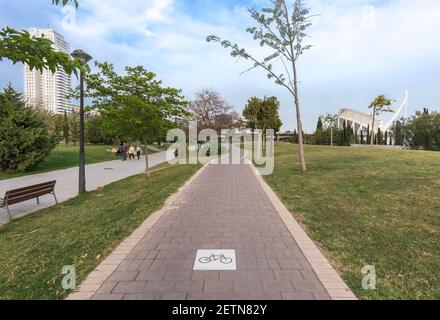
[{"x": 84, "y": 58}]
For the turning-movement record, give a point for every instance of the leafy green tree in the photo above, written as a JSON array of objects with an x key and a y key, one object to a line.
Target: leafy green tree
[
  {"x": 282, "y": 30},
  {"x": 362, "y": 137},
  {"x": 24, "y": 136},
  {"x": 398, "y": 133},
  {"x": 379, "y": 105},
  {"x": 37, "y": 53},
  {"x": 135, "y": 105},
  {"x": 94, "y": 132},
  {"x": 66, "y": 131},
  {"x": 263, "y": 114},
  {"x": 423, "y": 130},
  {"x": 73, "y": 121}
]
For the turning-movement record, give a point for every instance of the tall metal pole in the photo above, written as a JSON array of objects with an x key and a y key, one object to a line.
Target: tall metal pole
[{"x": 82, "y": 167}]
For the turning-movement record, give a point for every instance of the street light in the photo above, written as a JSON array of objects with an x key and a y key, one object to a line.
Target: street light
[{"x": 83, "y": 58}]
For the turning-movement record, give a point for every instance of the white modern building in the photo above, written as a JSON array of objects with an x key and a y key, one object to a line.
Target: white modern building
[
  {"x": 46, "y": 89},
  {"x": 360, "y": 121}
]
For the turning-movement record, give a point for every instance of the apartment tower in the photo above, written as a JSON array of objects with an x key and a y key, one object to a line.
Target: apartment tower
[{"x": 46, "y": 89}]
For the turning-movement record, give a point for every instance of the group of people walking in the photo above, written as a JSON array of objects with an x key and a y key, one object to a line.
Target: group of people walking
[{"x": 129, "y": 152}]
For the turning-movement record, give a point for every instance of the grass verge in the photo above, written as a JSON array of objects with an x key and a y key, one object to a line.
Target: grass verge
[
  {"x": 67, "y": 156},
  {"x": 369, "y": 206},
  {"x": 80, "y": 232}
]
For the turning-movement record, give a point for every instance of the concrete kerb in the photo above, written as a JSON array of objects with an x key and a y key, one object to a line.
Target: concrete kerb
[
  {"x": 103, "y": 271},
  {"x": 330, "y": 279}
]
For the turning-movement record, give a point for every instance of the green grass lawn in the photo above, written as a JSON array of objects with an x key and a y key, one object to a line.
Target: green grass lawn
[
  {"x": 63, "y": 157},
  {"x": 368, "y": 206},
  {"x": 79, "y": 232}
]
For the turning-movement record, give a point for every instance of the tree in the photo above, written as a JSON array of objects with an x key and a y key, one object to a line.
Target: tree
[
  {"x": 24, "y": 136},
  {"x": 37, "y": 53},
  {"x": 344, "y": 135},
  {"x": 73, "y": 122},
  {"x": 379, "y": 105},
  {"x": 386, "y": 138},
  {"x": 211, "y": 111},
  {"x": 94, "y": 132},
  {"x": 398, "y": 133},
  {"x": 65, "y": 128},
  {"x": 423, "y": 130},
  {"x": 135, "y": 105},
  {"x": 330, "y": 121},
  {"x": 362, "y": 137},
  {"x": 263, "y": 114},
  {"x": 368, "y": 135},
  {"x": 319, "y": 132},
  {"x": 283, "y": 32}
]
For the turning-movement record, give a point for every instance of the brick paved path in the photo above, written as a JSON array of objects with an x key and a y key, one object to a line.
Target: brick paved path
[{"x": 223, "y": 208}]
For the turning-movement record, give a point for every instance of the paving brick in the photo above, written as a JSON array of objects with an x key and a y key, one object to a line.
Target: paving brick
[
  {"x": 232, "y": 213},
  {"x": 189, "y": 286},
  {"x": 123, "y": 276},
  {"x": 217, "y": 286},
  {"x": 248, "y": 286},
  {"x": 159, "y": 286},
  {"x": 130, "y": 287},
  {"x": 297, "y": 296},
  {"x": 277, "y": 286}
]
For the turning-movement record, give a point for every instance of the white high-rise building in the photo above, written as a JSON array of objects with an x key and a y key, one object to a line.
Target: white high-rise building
[{"x": 46, "y": 89}]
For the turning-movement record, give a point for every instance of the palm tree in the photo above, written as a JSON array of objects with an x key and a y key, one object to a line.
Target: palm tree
[{"x": 379, "y": 105}]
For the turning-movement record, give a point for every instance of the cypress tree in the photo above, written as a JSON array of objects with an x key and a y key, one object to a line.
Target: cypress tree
[
  {"x": 25, "y": 139},
  {"x": 66, "y": 128},
  {"x": 362, "y": 136}
]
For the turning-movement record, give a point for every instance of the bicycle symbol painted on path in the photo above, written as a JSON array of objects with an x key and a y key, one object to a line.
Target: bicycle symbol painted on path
[{"x": 216, "y": 257}]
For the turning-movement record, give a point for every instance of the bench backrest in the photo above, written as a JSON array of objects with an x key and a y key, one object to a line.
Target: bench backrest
[{"x": 27, "y": 193}]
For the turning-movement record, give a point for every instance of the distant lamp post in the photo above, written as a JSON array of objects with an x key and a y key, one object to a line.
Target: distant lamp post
[{"x": 84, "y": 58}]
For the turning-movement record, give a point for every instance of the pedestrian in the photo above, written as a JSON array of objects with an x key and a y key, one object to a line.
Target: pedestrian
[
  {"x": 131, "y": 152},
  {"x": 124, "y": 151},
  {"x": 138, "y": 151}
]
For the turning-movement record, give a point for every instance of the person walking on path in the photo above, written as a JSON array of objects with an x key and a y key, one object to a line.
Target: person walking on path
[
  {"x": 124, "y": 151},
  {"x": 138, "y": 151},
  {"x": 131, "y": 152}
]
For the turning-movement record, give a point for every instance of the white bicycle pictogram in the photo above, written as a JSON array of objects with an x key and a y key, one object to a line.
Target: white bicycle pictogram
[{"x": 216, "y": 257}]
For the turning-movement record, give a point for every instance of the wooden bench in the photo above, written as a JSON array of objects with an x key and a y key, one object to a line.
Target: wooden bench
[{"x": 27, "y": 193}]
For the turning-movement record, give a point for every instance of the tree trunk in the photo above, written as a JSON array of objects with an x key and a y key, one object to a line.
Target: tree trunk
[
  {"x": 302, "y": 159},
  {"x": 147, "y": 164},
  {"x": 372, "y": 130}
]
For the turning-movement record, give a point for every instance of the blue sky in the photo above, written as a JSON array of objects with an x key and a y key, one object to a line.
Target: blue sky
[{"x": 361, "y": 48}]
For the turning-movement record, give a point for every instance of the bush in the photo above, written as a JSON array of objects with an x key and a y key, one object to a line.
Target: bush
[{"x": 24, "y": 136}]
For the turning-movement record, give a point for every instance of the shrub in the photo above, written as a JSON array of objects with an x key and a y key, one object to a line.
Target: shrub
[{"x": 24, "y": 136}]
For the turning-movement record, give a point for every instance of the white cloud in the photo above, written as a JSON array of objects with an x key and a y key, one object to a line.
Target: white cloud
[{"x": 354, "y": 57}]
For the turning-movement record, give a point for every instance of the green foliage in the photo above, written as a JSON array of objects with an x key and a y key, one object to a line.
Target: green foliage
[
  {"x": 319, "y": 133},
  {"x": 66, "y": 132},
  {"x": 133, "y": 106},
  {"x": 398, "y": 133},
  {"x": 37, "y": 53},
  {"x": 73, "y": 122},
  {"x": 95, "y": 134},
  {"x": 423, "y": 131},
  {"x": 65, "y": 2},
  {"x": 344, "y": 136},
  {"x": 263, "y": 113},
  {"x": 25, "y": 139},
  {"x": 282, "y": 32}
]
